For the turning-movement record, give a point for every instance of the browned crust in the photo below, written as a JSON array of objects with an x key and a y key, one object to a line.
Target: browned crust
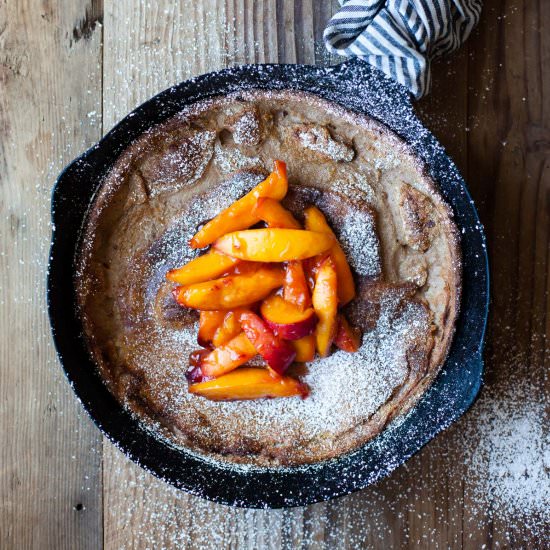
[{"x": 399, "y": 404}]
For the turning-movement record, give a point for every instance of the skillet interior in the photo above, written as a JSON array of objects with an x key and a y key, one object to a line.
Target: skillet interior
[
  {"x": 451, "y": 393},
  {"x": 398, "y": 234}
]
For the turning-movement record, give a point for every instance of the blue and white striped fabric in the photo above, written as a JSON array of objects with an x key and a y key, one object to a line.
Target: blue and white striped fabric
[{"x": 401, "y": 37}]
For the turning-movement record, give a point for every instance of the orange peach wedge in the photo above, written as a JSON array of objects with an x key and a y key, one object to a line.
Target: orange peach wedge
[
  {"x": 233, "y": 354},
  {"x": 325, "y": 303},
  {"x": 274, "y": 245},
  {"x": 295, "y": 288},
  {"x": 347, "y": 338},
  {"x": 229, "y": 328},
  {"x": 304, "y": 348},
  {"x": 232, "y": 291},
  {"x": 209, "y": 322},
  {"x": 287, "y": 320},
  {"x": 274, "y": 214},
  {"x": 240, "y": 214},
  {"x": 205, "y": 267},
  {"x": 249, "y": 383},
  {"x": 311, "y": 265},
  {"x": 316, "y": 221}
]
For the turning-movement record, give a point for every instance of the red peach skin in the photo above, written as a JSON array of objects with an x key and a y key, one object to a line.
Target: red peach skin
[
  {"x": 240, "y": 214},
  {"x": 316, "y": 221},
  {"x": 232, "y": 291},
  {"x": 287, "y": 320},
  {"x": 347, "y": 338},
  {"x": 194, "y": 374},
  {"x": 277, "y": 353},
  {"x": 228, "y": 357},
  {"x": 274, "y": 245},
  {"x": 325, "y": 303},
  {"x": 249, "y": 383},
  {"x": 311, "y": 265}
]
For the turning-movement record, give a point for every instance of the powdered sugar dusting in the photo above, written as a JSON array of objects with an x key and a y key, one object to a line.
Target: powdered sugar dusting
[
  {"x": 230, "y": 159},
  {"x": 473, "y": 474},
  {"x": 348, "y": 391},
  {"x": 360, "y": 242},
  {"x": 151, "y": 514},
  {"x": 346, "y": 388},
  {"x": 180, "y": 164},
  {"x": 369, "y": 376},
  {"x": 318, "y": 139},
  {"x": 246, "y": 128},
  {"x": 173, "y": 247},
  {"x": 511, "y": 461}
]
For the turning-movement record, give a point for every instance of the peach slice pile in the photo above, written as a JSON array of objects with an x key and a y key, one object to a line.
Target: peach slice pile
[{"x": 273, "y": 291}]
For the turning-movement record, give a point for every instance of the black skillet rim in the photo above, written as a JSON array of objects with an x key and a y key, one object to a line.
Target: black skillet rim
[{"x": 356, "y": 87}]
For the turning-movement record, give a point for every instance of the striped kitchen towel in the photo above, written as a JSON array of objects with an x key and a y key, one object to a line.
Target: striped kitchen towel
[{"x": 401, "y": 37}]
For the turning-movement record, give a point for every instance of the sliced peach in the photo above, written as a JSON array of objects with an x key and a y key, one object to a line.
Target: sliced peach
[
  {"x": 274, "y": 245},
  {"x": 245, "y": 268},
  {"x": 287, "y": 320},
  {"x": 316, "y": 221},
  {"x": 229, "y": 328},
  {"x": 209, "y": 322},
  {"x": 232, "y": 291},
  {"x": 205, "y": 267},
  {"x": 196, "y": 357},
  {"x": 228, "y": 357},
  {"x": 348, "y": 338},
  {"x": 274, "y": 214},
  {"x": 311, "y": 265},
  {"x": 194, "y": 374},
  {"x": 295, "y": 288},
  {"x": 249, "y": 383},
  {"x": 325, "y": 303},
  {"x": 277, "y": 353},
  {"x": 240, "y": 214},
  {"x": 305, "y": 348}
]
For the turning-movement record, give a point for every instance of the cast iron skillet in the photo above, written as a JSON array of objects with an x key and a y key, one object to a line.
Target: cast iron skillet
[{"x": 360, "y": 88}]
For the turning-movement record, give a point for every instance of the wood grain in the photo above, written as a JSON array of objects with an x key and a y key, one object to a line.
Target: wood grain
[
  {"x": 509, "y": 146},
  {"x": 50, "y": 457},
  {"x": 70, "y": 70}
]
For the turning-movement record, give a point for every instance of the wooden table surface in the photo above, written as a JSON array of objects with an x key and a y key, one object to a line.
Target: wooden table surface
[{"x": 69, "y": 70}]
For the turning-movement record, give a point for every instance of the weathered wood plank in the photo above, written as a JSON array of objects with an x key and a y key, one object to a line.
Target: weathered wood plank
[
  {"x": 508, "y": 159},
  {"x": 50, "y": 91}
]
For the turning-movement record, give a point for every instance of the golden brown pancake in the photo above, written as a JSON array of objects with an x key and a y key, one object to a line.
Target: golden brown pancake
[{"x": 393, "y": 224}]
